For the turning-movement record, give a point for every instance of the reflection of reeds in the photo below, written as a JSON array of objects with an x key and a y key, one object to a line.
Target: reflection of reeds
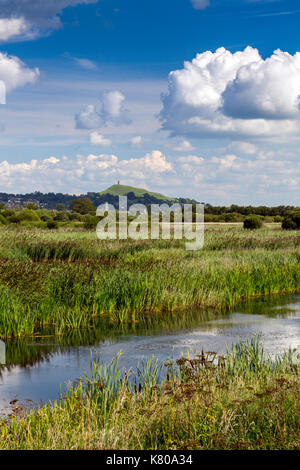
[
  {"x": 70, "y": 280},
  {"x": 244, "y": 400}
]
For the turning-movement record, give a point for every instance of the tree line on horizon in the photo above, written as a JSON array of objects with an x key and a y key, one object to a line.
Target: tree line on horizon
[
  {"x": 82, "y": 212},
  {"x": 51, "y": 200}
]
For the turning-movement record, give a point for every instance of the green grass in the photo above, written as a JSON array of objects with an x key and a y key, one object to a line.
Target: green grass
[
  {"x": 69, "y": 279},
  {"x": 245, "y": 400}
]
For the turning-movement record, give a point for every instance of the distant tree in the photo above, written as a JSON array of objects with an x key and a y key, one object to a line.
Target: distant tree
[
  {"x": 82, "y": 205},
  {"x": 60, "y": 207},
  {"x": 31, "y": 206}
]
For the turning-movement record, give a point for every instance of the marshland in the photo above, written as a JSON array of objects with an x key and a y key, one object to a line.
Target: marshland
[{"x": 66, "y": 285}]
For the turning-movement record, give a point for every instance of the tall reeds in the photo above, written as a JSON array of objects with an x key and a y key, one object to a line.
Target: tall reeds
[{"x": 68, "y": 280}]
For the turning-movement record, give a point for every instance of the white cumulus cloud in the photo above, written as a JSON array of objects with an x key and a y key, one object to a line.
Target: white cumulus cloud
[
  {"x": 265, "y": 89},
  {"x": 110, "y": 110},
  {"x": 220, "y": 93},
  {"x": 99, "y": 139},
  {"x": 12, "y": 27},
  {"x": 82, "y": 173},
  {"x": 14, "y": 73}
]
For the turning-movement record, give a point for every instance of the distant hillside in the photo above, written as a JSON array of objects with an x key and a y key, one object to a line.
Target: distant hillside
[
  {"x": 122, "y": 190},
  {"x": 110, "y": 195}
]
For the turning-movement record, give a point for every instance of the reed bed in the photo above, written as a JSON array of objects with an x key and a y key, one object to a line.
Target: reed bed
[
  {"x": 244, "y": 400},
  {"x": 69, "y": 279}
]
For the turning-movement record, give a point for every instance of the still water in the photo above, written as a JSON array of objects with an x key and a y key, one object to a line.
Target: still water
[{"x": 39, "y": 368}]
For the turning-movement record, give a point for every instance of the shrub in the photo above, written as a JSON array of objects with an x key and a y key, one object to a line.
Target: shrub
[
  {"x": 29, "y": 215},
  {"x": 61, "y": 217},
  {"x": 52, "y": 224},
  {"x": 46, "y": 218},
  {"x": 291, "y": 222},
  {"x": 3, "y": 220},
  {"x": 7, "y": 213},
  {"x": 75, "y": 216},
  {"x": 252, "y": 222},
  {"x": 90, "y": 222},
  {"x": 14, "y": 219}
]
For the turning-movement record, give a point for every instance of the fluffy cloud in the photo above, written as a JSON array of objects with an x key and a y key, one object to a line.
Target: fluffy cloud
[
  {"x": 88, "y": 118},
  {"x": 14, "y": 73},
  {"x": 27, "y": 18},
  {"x": 12, "y": 27},
  {"x": 271, "y": 177},
  {"x": 184, "y": 146},
  {"x": 265, "y": 89},
  {"x": 234, "y": 94},
  {"x": 98, "y": 139},
  {"x": 200, "y": 4},
  {"x": 82, "y": 173},
  {"x": 110, "y": 110}
]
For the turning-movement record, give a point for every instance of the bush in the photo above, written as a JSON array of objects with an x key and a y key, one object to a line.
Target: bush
[
  {"x": 29, "y": 215},
  {"x": 90, "y": 222},
  {"x": 252, "y": 222},
  {"x": 75, "y": 216},
  {"x": 7, "y": 213},
  {"x": 14, "y": 219},
  {"x": 291, "y": 223},
  {"x": 46, "y": 218},
  {"x": 3, "y": 220},
  {"x": 52, "y": 224},
  {"x": 61, "y": 217}
]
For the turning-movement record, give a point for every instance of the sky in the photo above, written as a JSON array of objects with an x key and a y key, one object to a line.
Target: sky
[{"x": 190, "y": 98}]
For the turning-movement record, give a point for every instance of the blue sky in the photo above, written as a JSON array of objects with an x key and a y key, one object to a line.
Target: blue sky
[{"x": 100, "y": 91}]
